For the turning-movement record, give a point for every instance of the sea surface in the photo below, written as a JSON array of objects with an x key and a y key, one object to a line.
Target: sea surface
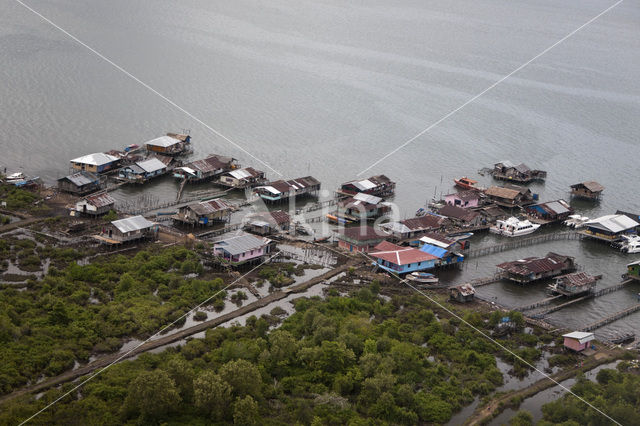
[{"x": 329, "y": 87}]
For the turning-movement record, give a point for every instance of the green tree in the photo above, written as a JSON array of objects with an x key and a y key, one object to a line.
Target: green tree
[
  {"x": 245, "y": 411},
  {"x": 152, "y": 395},
  {"x": 522, "y": 418},
  {"x": 212, "y": 395},
  {"x": 243, "y": 376}
]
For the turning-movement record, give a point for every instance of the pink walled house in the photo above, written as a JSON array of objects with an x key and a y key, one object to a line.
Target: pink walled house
[
  {"x": 464, "y": 199},
  {"x": 578, "y": 340},
  {"x": 242, "y": 248}
]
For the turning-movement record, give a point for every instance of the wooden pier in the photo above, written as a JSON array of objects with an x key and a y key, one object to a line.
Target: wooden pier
[
  {"x": 549, "y": 300},
  {"x": 611, "y": 318},
  {"x": 522, "y": 242},
  {"x": 539, "y": 303},
  {"x": 479, "y": 282},
  {"x": 547, "y": 311}
]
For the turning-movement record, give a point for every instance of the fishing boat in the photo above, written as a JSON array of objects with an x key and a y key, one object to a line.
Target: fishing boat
[
  {"x": 513, "y": 227},
  {"x": 461, "y": 236},
  {"x": 422, "y": 277},
  {"x": 628, "y": 244},
  {"x": 466, "y": 183}
]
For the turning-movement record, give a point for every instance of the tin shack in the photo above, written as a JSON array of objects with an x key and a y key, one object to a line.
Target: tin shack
[
  {"x": 379, "y": 185},
  {"x": 79, "y": 183},
  {"x": 95, "y": 205},
  {"x": 242, "y": 249},
  {"x": 590, "y": 190},
  {"x": 519, "y": 173},
  {"x": 282, "y": 190},
  {"x": 170, "y": 144},
  {"x": 551, "y": 211},
  {"x": 510, "y": 196},
  {"x": 462, "y": 293},
  {"x": 578, "y": 341},
  {"x": 142, "y": 171},
  {"x": 247, "y": 177},
  {"x": 204, "y": 212},
  {"x": 206, "y": 169},
  {"x": 536, "y": 268},
  {"x": 125, "y": 230},
  {"x": 359, "y": 238},
  {"x": 267, "y": 223}
]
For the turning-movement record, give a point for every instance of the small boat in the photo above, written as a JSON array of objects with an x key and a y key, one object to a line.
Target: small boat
[
  {"x": 466, "y": 183},
  {"x": 628, "y": 244},
  {"x": 462, "y": 236},
  {"x": 513, "y": 227},
  {"x": 422, "y": 277},
  {"x": 575, "y": 221},
  {"x": 336, "y": 219},
  {"x": 625, "y": 338},
  {"x": 19, "y": 179}
]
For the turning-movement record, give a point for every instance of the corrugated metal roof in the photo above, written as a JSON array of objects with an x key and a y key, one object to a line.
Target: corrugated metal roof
[
  {"x": 210, "y": 206},
  {"x": 438, "y": 252},
  {"x": 613, "y": 223},
  {"x": 371, "y": 199},
  {"x": 361, "y": 233},
  {"x": 81, "y": 178},
  {"x": 135, "y": 223},
  {"x": 591, "y": 185},
  {"x": 151, "y": 165},
  {"x": 100, "y": 200},
  {"x": 163, "y": 141},
  {"x": 558, "y": 207},
  {"x": 399, "y": 255},
  {"x": 96, "y": 159},
  {"x": 241, "y": 244},
  {"x": 580, "y": 336}
]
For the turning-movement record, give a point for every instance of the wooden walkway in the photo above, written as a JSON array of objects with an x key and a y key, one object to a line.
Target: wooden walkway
[
  {"x": 547, "y": 311},
  {"x": 518, "y": 242},
  {"x": 539, "y": 303},
  {"x": 479, "y": 282},
  {"x": 611, "y": 318}
]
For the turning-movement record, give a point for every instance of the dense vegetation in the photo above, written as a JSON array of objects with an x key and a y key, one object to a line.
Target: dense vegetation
[
  {"x": 615, "y": 392},
  {"x": 19, "y": 199},
  {"x": 79, "y": 310},
  {"x": 342, "y": 360}
]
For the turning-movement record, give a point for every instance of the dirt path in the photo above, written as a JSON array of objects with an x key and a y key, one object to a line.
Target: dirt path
[
  {"x": 484, "y": 414},
  {"x": 153, "y": 344}
]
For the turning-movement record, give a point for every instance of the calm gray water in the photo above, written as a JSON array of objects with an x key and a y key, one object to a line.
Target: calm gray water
[{"x": 328, "y": 87}]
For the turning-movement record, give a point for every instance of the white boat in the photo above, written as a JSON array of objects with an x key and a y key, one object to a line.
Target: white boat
[
  {"x": 19, "y": 179},
  {"x": 513, "y": 227},
  {"x": 423, "y": 277},
  {"x": 629, "y": 244},
  {"x": 575, "y": 221}
]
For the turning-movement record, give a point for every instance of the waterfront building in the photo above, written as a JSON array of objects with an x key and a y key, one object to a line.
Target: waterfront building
[
  {"x": 242, "y": 249},
  {"x": 96, "y": 204},
  {"x": 510, "y": 196},
  {"x": 79, "y": 183},
  {"x": 142, "y": 171},
  {"x": 465, "y": 199},
  {"x": 379, "y": 185},
  {"x": 590, "y": 190},
  {"x": 206, "y": 169},
  {"x": 363, "y": 207},
  {"x": 551, "y": 211},
  {"x": 204, "y": 212},
  {"x": 266, "y": 223},
  {"x": 578, "y": 341},
  {"x": 410, "y": 228},
  {"x": 242, "y": 178},
  {"x": 282, "y": 190},
  {"x": 98, "y": 162},
  {"x": 462, "y": 293},
  {"x": 171, "y": 144},
  {"x": 520, "y": 173},
  {"x": 402, "y": 260},
  {"x": 536, "y": 268},
  {"x": 359, "y": 238},
  {"x": 610, "y": 227}
]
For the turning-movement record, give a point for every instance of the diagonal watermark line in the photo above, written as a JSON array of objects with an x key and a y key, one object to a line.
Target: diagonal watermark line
[
  {"x": 124, "y": 355},
  {"x": 145, "y": 85},
  {"x": 500, "y": 345},
  {"x": 450, "y": 113}
]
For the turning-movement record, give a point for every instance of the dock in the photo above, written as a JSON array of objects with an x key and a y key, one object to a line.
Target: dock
[
  {"x": 522, "y": 242},
  {"x": 611, "y": 318},
  {"x": 556, "y": 308},
  {"x": 539, "y": 303}
]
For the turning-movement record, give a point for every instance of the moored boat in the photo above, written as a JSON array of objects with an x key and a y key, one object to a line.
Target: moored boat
[
  {"x": 513, "y": 227},
  {"x": 628, "y": 244},
  {"x": 422, "y": 277},
  {"x": 466, "y": 183}
]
